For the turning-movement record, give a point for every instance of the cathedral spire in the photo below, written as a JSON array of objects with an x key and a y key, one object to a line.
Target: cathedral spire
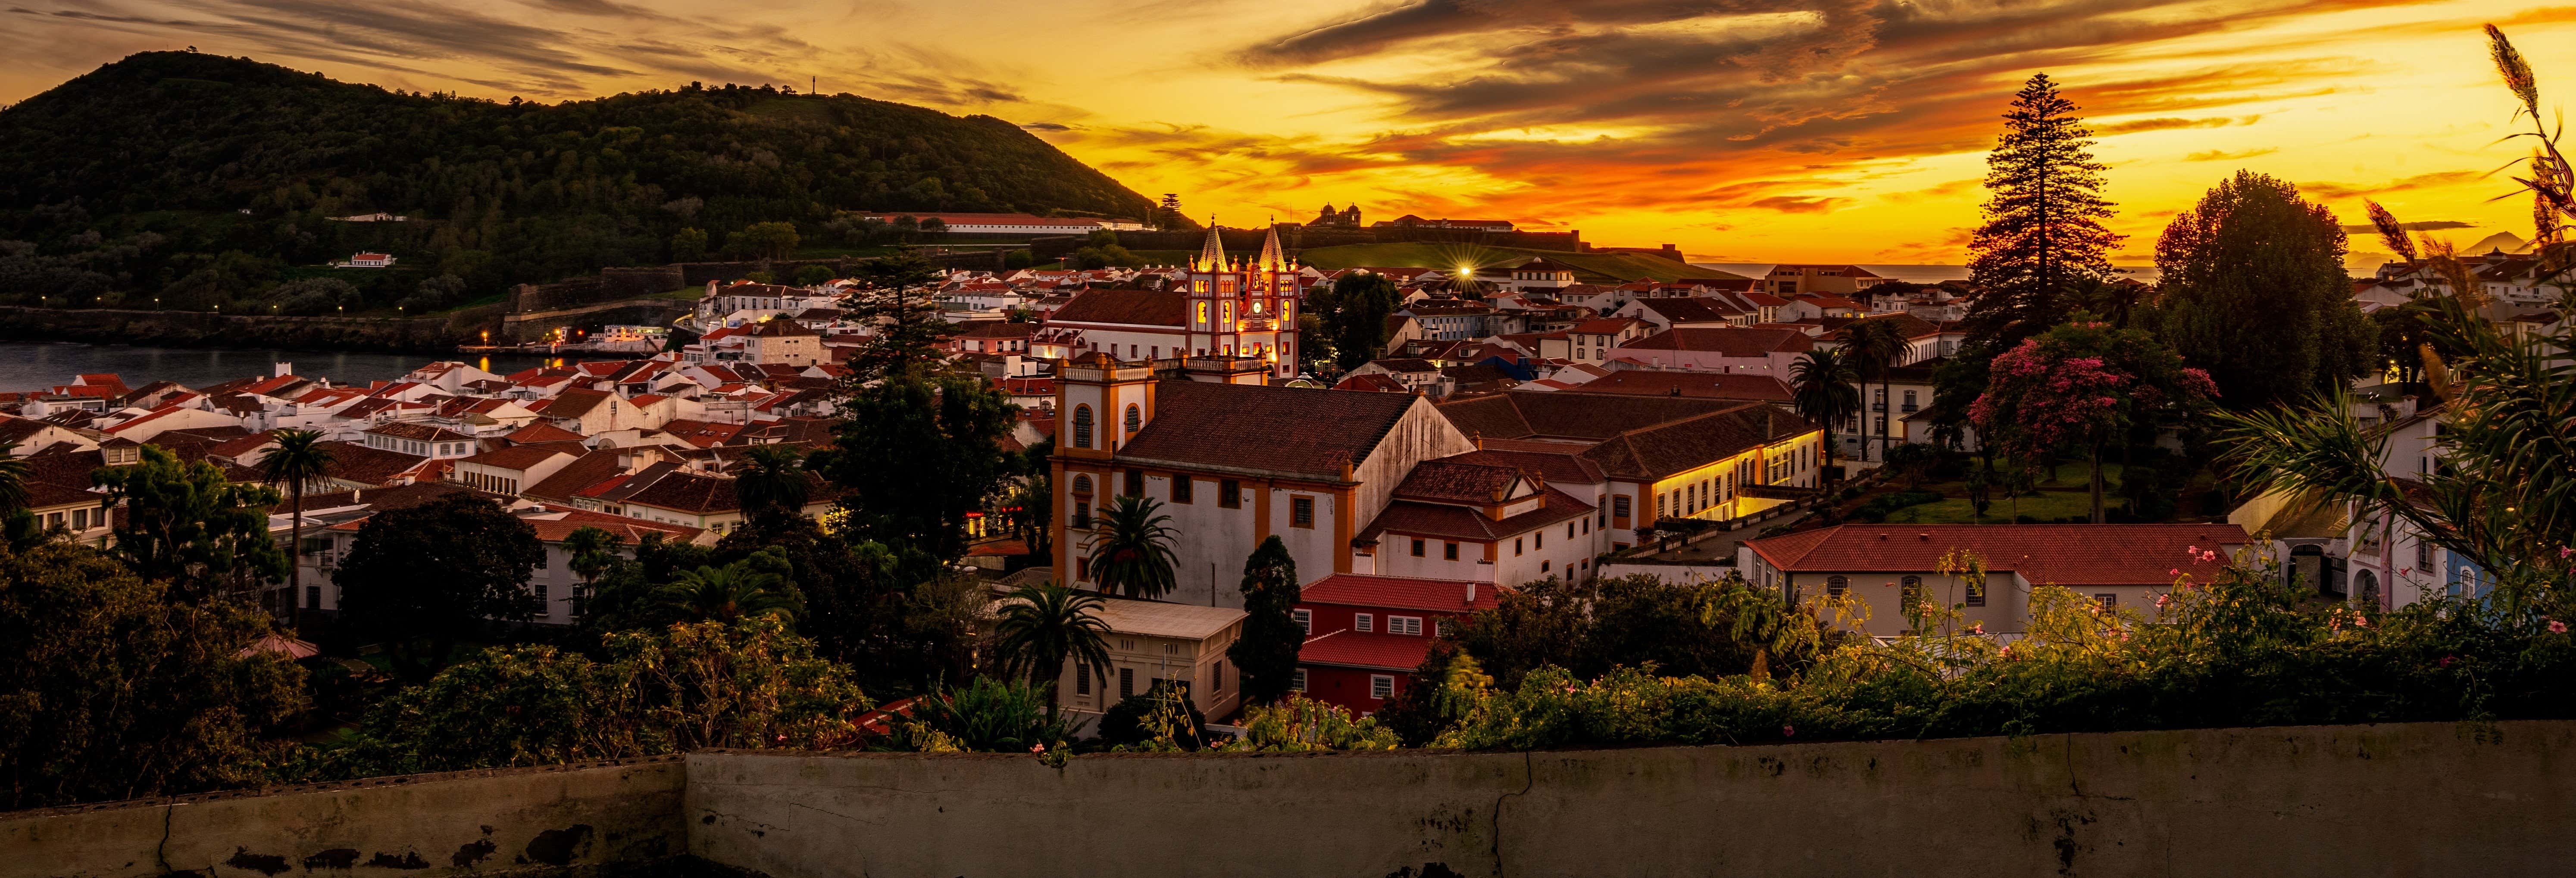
[
  {"x": 1213, "y": 252},
  {"x": 1271, "y": 259}
]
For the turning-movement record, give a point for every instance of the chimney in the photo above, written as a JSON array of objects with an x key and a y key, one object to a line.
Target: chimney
[
  {"x": 1471, "y": 592},
  {"x": 285, "y": 369}
]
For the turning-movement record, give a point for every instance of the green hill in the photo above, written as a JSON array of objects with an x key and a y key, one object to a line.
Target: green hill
[
  {"x": 201, "y": 179},
  {"x": 1589, "y": 267}
]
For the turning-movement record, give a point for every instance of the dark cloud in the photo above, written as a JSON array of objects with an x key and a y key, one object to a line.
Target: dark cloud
[
  {"x": 2217, "y": 155},
  {"x": 1722, "y": 91},
  {"x": 1798, "y": 203},
  {"x": 2419, "y": 181},
  {"x": 1046, "y": 126},
  {"x": 2425, "y": 226}
]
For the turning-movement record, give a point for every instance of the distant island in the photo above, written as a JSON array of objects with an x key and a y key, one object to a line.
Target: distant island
[{"x": 192, "y": 181}]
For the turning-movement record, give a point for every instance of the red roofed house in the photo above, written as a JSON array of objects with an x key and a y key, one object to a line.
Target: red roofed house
[
  {"x": 1724, "y": 349},
  {"x": 1366, "y": 634},
  {"x": 2122, "y": 564}
]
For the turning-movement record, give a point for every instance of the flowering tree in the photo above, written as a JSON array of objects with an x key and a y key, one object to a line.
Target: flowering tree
[{"x": 2080, "y": 387}]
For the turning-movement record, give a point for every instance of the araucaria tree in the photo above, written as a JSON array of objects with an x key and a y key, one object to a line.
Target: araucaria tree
[
  {"x": 896, "y": 300},
  {"x": 2253, "y": 290},
  {"x": 423, "y": 578},
  {"x": 1357, "y": 306},
  {"x": 916, "y": 453},
  {"x": 2078, "y": 389},
  {"x": 1266, "y": 654},
  {"x": 2043, "y": 220}
]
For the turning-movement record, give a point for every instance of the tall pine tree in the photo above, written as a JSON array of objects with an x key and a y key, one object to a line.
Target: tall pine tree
[
  {"x": 2042, "y": 238},
  {"x": 1266, "y": 654},
  {"x": 2043, "y": 230}
]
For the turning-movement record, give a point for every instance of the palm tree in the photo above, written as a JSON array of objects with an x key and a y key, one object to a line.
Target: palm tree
[
  {"x": 1875, "y": 344},
  {"x": 1042, "y": 626},
  {"x": 770, "y": 478},
  {"x": 1823, "y": 381},
  {"x": 13, "y": 481},
  {"x": 732, "y": 592},
  {"x": 1132, "y": 552},
  {"x": 593, "y": 551},
  {"x": 298, "y": 459}
]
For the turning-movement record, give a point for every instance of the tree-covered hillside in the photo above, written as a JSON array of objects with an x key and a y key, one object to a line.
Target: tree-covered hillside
[{"x": 204, "y": 180}]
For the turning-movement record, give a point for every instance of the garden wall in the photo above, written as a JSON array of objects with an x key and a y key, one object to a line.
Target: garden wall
[
  {"x": 2412, "y": 799},
  {"x": 525, "y": 820},
  {"x": 2418, "y": 799}
]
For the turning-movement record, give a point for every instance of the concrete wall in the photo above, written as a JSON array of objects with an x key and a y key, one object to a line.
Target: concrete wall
[
  {"x": 2416, "y": 799},
  {"x": 471, "y": 822},
  {"x": 437, "y": 333},
  {"x": 2403, "y": 800}
]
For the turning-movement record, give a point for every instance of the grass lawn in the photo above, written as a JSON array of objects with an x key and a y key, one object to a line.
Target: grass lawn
[
  {"x": 685, "y": 293},
  {"x": 1589, "y": 267},
  {"x": 2042, "y": 505}
]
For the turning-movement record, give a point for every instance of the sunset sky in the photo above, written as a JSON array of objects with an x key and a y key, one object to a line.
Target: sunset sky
[{"x": 1742, "y": 130}]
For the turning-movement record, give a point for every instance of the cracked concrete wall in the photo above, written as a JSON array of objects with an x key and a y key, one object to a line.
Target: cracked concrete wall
[
  {"x": 2411, "y": 799},
  {"x": 527, "y": 820}
]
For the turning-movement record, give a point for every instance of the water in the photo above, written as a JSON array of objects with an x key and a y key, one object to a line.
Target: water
[{"x": 34, "y": 365}]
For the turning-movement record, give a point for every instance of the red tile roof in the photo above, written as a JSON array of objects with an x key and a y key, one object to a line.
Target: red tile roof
[
  {"x": 1353, "y": 649},
  {"x": 1400, "y": 593},
  {"x": 1707, "y": 385},
  {"x": 1255, "y": 428},
  {"x": 1128, "y": 307},
  {"x": 1731, "y": 341},
  {"x": 2044, "y": 554},
  {"x": 1459, "y": 523}
]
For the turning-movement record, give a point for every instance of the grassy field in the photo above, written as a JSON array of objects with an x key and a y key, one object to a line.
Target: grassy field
[
  {"x": 2042, "y": 505},
  {"x": 1589, "y": 267}
]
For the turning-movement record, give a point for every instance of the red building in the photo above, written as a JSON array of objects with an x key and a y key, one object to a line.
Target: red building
[{"x": 1366, "y": 634}]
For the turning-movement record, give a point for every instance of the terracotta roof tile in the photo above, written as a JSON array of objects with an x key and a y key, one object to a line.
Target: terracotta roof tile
[
  {"x": 1376, "y": 652},
  {"x": 1292, "y": 431},
  {"x": 1129, "y": 307},
  {"x": 1400, "y": 593}
]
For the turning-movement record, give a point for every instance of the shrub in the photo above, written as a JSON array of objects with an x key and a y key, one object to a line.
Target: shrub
[
  {"x": 1298, "y": 725},
  {"x": 1159, "y": 718},
  {"x": 987, "y": 716}
]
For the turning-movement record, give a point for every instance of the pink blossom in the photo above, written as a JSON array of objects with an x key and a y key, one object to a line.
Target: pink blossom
[
  {"x": 2360, "y": 621},
  {"x": 2174, "y": 572},
  {"x": 2446, "y": 661},
  {"x": 2557, "y": 627},
  {"x": 2160, "y": 601},
  {"x": 1037, "y": 748},
  {"x": 2564, "y": 551},
  {"x": 2189, "y": 551},
  {"x": 1789, "y": 731}
]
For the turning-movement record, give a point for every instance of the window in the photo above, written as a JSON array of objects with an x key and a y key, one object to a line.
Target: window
[
  {"x": 1135, "y": 483},
  {"x": 1363, "y": 622},
  {"x": 1381, "y": 686},
  {"x": 1180, "y": 488},
  {"x": 1544, "y": 565},
  {"x": 541, "y": 596},
  {"x": 1976, "y": 593},
  {"x": 1417, "y": 548},
  {"x": 1443, "y": 625},
  {"x": 1082, "y": 426},
  {"x": 1305, "y": 620},
  {"x": 1081, "y": 679},
  {"x": 313, "y": 596},
  {"x": 1135, "y": 417},
  {"x": 1836, "y": 585},
  {"x": 1449, "y": 551},
  {"x": 1126, "y": 682},
  {"x": 1404, "y": 625},
  {"x": 1216, "y": 678},
  {"x": 1569, "y": 530},
  {"x": 1082, "y": 485},
  {"x": 2107, "y": 600},
  {"x": 1082, "y": 513},
  {"x": 2423, "y": 555},
  {"x": 1663, "y": 505},
  {"x": 1229, "y": 493},
  {"x": 1301, "y": 512},
  {"x": 1171, "y": 649},
  {"x": 1297, "y": 681},
  {"x": 1619, "y": 506},
  {"x": 1911, "y": 590},
  {"x": 1516, "y": 547}
]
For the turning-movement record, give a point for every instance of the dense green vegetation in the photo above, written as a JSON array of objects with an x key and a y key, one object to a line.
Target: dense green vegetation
[{"x": 206, "y": 181}]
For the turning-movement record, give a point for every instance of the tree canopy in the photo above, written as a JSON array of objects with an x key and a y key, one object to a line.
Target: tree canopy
[
  {"x": 425, "y": 577},
  {"x": 2254, "y": 291},
  {"x": 1266, "y": 653}
]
